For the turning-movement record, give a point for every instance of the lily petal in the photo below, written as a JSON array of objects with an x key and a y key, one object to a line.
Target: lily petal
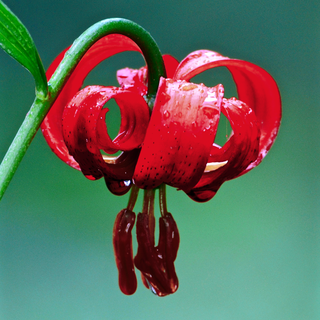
[
  {"x": 133, "y": 78},
  {"x": 170, "y": 64},
  {"x": 85, "y": 135},
  {"x": 240, "y": 150},
  {"x": 52, "y": 125},
  {"x": 180, "y": 134},
  {"x": 255, "y": 86},
  {"x": 138, "y": 78}
]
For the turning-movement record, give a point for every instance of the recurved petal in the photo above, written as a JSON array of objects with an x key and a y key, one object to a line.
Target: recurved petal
[
  {"x": 138, "y": 78},
  {"x": 134, "y": 78},
  {"x": 134, "y": 120},
  {"x": 85, "y": 135},
  {"x": 255, "y": 86},
  {"x": 170, "y": 64},
  {"x": 52, "y": 125},
  {"x": 180, "y": 134},
  {"x": 237, "y": 154}
]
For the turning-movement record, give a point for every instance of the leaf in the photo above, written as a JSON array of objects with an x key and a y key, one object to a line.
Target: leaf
[{"x": 17, "y": 42}]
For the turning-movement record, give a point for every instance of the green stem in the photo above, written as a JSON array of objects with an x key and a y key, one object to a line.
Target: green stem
[
  {"x": 81, "y": 45},
  {"x": 21, "y": 142},
  {"x": 125, "y": 27}
]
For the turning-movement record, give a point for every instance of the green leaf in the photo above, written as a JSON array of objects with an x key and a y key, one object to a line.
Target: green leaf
[{"x": 17, "y": 42}]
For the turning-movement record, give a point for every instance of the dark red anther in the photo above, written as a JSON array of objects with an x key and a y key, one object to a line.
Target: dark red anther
[
  {"x": 157, "y": 263},
  {"x": 146, "y": 252},
  {"x": 168, "y": 248},
  {"x": 122, "y": 245}
]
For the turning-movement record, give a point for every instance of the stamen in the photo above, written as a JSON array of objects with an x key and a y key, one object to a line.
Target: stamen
[
  {"x": 212, "y": 166},
  {"x": 162, "y": 200},
  {"x": 148, "y": 202},
  {"x": 133, "y": 197},
  {"x": 148, "y": 209}
]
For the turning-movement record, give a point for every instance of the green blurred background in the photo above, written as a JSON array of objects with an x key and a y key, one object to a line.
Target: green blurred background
[{"x": 251, "y": 253}]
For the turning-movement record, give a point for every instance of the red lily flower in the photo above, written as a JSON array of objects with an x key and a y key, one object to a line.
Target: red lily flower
[
  {"x": 255, "y": 120},
  {"x": 174, "y": 146}
]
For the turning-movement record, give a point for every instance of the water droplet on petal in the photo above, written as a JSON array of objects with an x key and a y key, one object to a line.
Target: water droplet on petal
[{"x": 166, "y": 114}]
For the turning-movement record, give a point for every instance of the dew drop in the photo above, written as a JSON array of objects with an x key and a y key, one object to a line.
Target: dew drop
[
  {"x": 127, "y": 183},
  {"x": 166, "y": 114}
]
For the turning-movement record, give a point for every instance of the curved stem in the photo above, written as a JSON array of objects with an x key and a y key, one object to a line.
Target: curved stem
[
  {"x": 101, "y": 29},
  {"x": 42, "y": 104}
]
